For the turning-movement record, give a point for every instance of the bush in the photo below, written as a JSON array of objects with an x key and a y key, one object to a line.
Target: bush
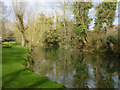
[
  {"x": 7, "y": 45},
  {"x": 52, "y": 38},
  {"x": 29, "y": 62},
  {"x": 102, "y": 41},
  {"x": 80, "y": 32}
]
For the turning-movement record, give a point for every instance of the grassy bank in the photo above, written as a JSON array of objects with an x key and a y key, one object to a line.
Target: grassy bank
[{"x": 14, "y": 74}]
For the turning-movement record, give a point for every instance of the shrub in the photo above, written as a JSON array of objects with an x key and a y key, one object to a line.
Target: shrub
[
  {"x": 29, "y": 62},
  {"x": 80, "y": 32},
  {"x": 52, "y": 38},
  {"x": 7, "y": 45},
  {"x": 102, "y": 41}
]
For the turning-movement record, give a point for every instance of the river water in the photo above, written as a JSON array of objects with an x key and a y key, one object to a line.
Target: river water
[{"x": 76, "y": 69}]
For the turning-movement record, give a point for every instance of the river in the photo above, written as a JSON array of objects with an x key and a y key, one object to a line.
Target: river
[{"x": 76, "y": 69}]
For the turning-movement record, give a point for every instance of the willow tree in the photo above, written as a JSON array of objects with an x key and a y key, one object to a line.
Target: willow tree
[
  {"x": 105, "y": 15},
  {"x": 19, "y": 12}
]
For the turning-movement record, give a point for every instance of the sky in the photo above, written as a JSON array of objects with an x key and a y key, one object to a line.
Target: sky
[
  {"x": 59, "y": 0},
  {"x": 49, "y": 8}
]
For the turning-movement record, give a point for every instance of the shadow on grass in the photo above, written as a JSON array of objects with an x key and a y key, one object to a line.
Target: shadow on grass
[
  {"x": 7, "y": 79},
  {"x": 38, "y": 83},
  {"x": 12, "y": 77}
]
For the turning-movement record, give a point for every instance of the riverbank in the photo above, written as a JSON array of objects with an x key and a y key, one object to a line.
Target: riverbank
[{"x": 15, "y": 75}]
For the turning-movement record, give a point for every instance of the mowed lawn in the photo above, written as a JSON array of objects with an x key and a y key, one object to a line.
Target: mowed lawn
[{"x": 14, "y": 74}]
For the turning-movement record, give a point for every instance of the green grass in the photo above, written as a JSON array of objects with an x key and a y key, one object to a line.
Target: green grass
[{"x": 14, "y": 74}]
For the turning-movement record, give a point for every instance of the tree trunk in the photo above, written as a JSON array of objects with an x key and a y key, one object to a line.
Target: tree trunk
[
  {"x": 23, "y": 41},
  {"x": 118, "y": 36}
]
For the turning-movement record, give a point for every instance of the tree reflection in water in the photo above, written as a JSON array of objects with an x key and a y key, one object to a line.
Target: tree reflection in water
[{"x": 77, "y": 69}]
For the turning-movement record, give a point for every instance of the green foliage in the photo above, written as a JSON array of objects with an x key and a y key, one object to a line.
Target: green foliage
[
  {"x": 111, "y": 39},
  {"x": 103, "y": 42},
  {"x": 81, "y": 32},
  {"x": 52, "y": 38},
  {"x": 105, "y": 15},
  {"x": 7, "y": 45},
  {"x": 73, "y": 33},
  {"x": 80, "y": 11},
  {"x": 29, "y": 63}
]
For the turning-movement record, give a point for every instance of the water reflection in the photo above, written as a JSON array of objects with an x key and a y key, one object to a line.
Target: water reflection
[
  {"x": 76, "y": 69},
  {"x": 91, "y": 81}
]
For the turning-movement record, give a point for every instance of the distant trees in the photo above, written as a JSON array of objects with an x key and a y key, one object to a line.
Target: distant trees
[
  {"x": 61, "y": 29},
  {"x": 72, "y": 32},
  {"x": 5, "y": 29},
  {"x": 105, "y": 16},
  {"x": 0, "y": 19}
]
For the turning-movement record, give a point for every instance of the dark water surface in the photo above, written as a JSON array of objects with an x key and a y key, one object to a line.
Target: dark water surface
[{"x": 76, "y": 69}]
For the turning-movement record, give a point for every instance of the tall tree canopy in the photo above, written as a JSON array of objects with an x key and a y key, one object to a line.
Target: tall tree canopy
[
  {"x": 80, "y": 11},
  {"x": 105, "y": 15}
]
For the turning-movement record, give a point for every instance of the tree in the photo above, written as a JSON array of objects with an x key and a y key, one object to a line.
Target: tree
[
  {"x": 64, "y": 22},
  {"x": 4, "y": 21},
  {"x": 19, "y": 11},
  {"x": 105, "y": 15},
  {"x": 1, "y": 19},
  {"x": 80, "y": 10}
]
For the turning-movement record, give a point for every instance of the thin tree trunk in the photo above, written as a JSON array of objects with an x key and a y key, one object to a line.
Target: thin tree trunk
[
  {"x": 23, "y": 41},
  {"x": 119, "y": 36}
]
